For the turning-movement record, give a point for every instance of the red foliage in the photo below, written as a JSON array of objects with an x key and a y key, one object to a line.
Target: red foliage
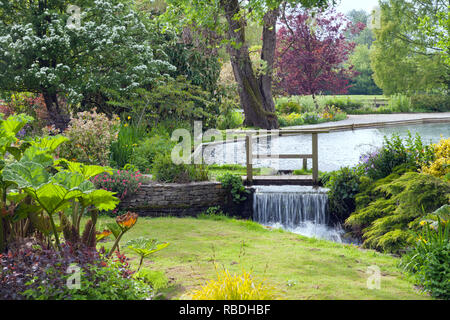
[
  {"x": 310, "y": 54},
  {"x": 6, "y": 109}
]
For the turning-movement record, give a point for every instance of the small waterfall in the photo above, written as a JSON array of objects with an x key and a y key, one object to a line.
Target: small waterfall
[{"x": 302, "y": 210}]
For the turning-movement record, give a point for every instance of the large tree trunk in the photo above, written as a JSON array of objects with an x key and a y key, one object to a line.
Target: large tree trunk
[
  {"x": 255, "y": 93},
  {"x": 57, "y": 116}
]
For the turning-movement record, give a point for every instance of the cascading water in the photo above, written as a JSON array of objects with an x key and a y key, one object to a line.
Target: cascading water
[{"x": 299, "y": 209}]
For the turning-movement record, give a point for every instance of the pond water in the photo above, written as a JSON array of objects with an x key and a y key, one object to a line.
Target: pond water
[{"x": 336, "y": 149}]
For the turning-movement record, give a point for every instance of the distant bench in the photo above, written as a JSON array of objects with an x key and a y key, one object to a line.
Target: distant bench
[{"x": 375, "y": 102}]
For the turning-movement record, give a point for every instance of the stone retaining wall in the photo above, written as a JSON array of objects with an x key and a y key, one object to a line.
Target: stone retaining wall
[{"x": 174, "y": 199}]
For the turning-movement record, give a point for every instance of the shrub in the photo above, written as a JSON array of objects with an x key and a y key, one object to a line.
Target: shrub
[
  {"x": 395, "y": 152},
  {"x": 429, "y": 260},
  {"x": 343, "y": 185},
  {"x": 390, "y": 208},
  {"x": 400, "y": 103},
  {"x": 234, "y": 185},
  {"x": 90, "y": 136},
  {"x": 31, "y": 104},
  {"x": 345, "y": 104},
  {"x": 165, "y": 170},
  {"x": 293, "y": 119},
  {"x": 234, "y": 287},
  {"x": 231, "y": 120},
  {"x": 33, "y": 272},
  {"x": 288, "y": 107},
  {"x": 430, "y": 103},
  {"x": 123, "y": 182},
  {"x": 146, "y": 150},
  {"x": 441, "y": 164},
  {"x": 311, "y": 118}
]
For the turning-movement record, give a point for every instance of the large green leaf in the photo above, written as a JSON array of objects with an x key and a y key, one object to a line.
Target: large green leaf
[
  {"x": 49, "y": 143},
  {"x": 37, "y": 155},
  {"x": 68, "y": 180},
  {"x": 14, "y": 123},
  {"x": 54, "y": 197},
  {"x": 145, "y": 247},
  {"x": 88, "y": 171},
  {"x": 26, "y": 174},
  {"x": 103, "y": 200}
]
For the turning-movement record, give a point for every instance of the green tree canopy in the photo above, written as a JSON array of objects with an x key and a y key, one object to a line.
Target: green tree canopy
[
  {"x": 404, "y": 58},
  {"x": 47, "y": 48},
  {"x": 230, "y": 18}
]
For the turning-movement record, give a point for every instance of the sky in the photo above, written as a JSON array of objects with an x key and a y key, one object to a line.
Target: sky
[{"x": 347, "y": 5}]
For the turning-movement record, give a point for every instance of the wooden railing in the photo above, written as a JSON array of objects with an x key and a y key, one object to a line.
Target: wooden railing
[{"x": 314, "y": 155}]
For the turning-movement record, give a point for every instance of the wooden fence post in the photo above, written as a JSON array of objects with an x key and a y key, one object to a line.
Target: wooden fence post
[
  {"x": 249, "y": 152},
  {"x": 315, "y": 159}
]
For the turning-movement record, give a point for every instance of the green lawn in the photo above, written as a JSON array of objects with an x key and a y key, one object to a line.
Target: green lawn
[{"x": 299, "y": 267}]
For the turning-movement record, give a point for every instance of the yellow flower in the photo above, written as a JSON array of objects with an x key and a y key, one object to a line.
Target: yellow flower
[
  {"x": 423, "y": 222},
  {"x": 125, "y": 125},
  {"x": 129, "y": 117}
]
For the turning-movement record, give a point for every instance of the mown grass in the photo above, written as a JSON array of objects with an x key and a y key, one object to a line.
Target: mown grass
[
  {"x": 216, "y": 171},
  {"x": 299, "y": 267}
]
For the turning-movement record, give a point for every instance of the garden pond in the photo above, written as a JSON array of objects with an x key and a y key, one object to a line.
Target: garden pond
[{"x": 336, "y": 149}]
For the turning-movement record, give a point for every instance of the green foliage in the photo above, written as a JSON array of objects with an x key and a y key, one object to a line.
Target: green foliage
[
  {"x": 343, "y": 185},
  {"x": 293, "y": 119},
  {"x": 390, "y": 208},
  {"x": 230, "y": 117},
  {"x": 145, "y": 152},
  {"x": 96, "y": 283},
  {"x": 157, "y": 279},
  {"x": 363, "y": 83},
  {"x": 38, "y": 185},
  {"x": 288, "y": 106},
  {"x": 234, "y": 185},
  {"x": 200, "y": 68},
  {"x": 90, "y": 136},
  {"x": 400, "y": 103},
  {"x": 429, "y": 259},
  {"x": 165, "y": 170},
  {"x": 176, "y": 100},
  {"x": 430, "y": 103},
  {"x": 403, "y": 58},
  {"x": 213, "y": 213},
  {"x": 127, "y": 141},
  {"x": 9, "y": 129},
  {"x": 145, "y": 247},
  {"x": 412, "y": 153},
  {"x": 111, "y": 49},
  {"x": 346, "y": 104},
  {"x": 436, "y": 26},
  {"x": 123, "y": 183}
]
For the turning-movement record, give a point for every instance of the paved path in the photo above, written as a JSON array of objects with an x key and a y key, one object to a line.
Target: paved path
[{"x": 376, "y": 119}]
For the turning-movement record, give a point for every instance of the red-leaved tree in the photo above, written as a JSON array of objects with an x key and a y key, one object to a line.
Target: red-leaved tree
[{"x": 311, "y": 52}]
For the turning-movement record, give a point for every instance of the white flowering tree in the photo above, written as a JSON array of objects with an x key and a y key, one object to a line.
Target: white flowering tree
[{"x": 74, "y": 48}]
